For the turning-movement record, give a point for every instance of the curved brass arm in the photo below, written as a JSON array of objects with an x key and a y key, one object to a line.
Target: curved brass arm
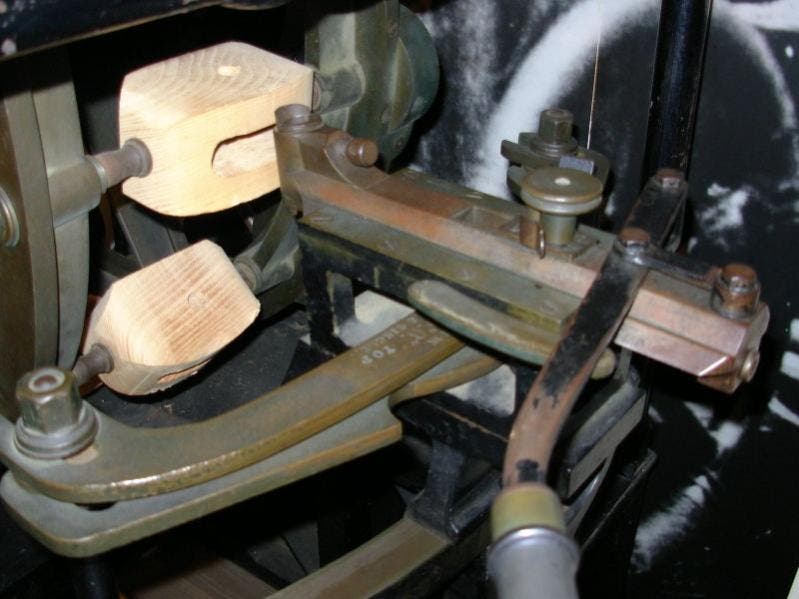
[{"x": 126, "y": 462}]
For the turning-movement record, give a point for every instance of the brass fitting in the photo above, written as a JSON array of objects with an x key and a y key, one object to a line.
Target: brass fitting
[
  {"x": 531, "y": 555},
  {"x": 560, "y": 195},
  {"x": 736, "y": 291},
  {"x": 526, "y": 506},
  {"x": 554, "y": 137}
]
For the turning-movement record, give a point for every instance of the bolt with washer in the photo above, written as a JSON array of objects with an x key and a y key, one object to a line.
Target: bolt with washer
[
  {"x": 633, "y": 240},
  {"x": 736, "y": 291},
  {"x": 670, "y": 178},
  {"x": 54, "y": 421},
  {"x": 554, "y": 136}
]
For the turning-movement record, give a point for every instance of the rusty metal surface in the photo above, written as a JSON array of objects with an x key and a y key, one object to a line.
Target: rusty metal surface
[
  {"x": 461, "y": 367},
  {"x": 126, "y": 462},
  {"x": 669, "y": 316},
  {"x": 373, "y": 567},
  {"x": 671, "y": 320},
  {"x": 492, "y": 328},
  {"x": 564, "y": 375}
]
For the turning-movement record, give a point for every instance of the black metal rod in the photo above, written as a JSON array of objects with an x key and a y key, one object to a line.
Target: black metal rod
[
  {"x": 93, "y": 578},
  {"x": 679, "y": 58}
]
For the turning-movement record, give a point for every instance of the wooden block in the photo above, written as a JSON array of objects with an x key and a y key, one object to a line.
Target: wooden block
[
  {"x": 164, "y": 322},
  {"x": 207, "y": 119}
]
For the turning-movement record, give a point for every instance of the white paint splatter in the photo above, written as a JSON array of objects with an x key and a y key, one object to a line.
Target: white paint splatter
[
  {"x": 665, "y": 526},
  {"x": 655, "y": 415},
  {"x": 661, "y": 529},
  {"x": 743, "y": 21},
  {"x": 779, "y": 409},
  {"x": 794, "y": 329},
  {"x": 8, "y": 47},
  {"x": 726, "y": 434},
  {"x": 495, "y": 392},
  {"x": 780, "y": 15},
  {"x": 555, "y": 65},
  {"x": 564, "y": 55},
  {"x": 723, "y": 213},
  {"x": 790, "y": 364},
  {"x": 789, "y": 52},
  {"x": 701, "y": 412}
]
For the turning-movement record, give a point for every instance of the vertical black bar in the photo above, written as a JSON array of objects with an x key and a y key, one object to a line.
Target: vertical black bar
[
  {"x": 93, "y": 578},
  {"x": 682, "y": 36}
]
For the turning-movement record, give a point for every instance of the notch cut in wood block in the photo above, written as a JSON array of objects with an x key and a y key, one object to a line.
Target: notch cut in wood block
[
  {"x": 207, "y": 118},
  {"x": 164, "y": 322}
]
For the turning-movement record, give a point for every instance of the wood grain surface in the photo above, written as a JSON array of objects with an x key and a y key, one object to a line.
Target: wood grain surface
[
  {"x": 207, "y": 119},
  {"x": 164, "y": 322}
]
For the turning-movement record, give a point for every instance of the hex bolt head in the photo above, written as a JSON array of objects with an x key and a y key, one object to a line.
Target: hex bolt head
[
  {"x": 362, "y": 152},
  {"x": 54, "y": 421},
  {"x": 633, "y": 237},
  {"x": 670, "y": 178},
  {"x": 736, "y": 291},
  {"x": 555, "y": 125}
]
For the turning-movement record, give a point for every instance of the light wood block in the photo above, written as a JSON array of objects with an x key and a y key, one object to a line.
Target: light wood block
[
  {"x": 207, "y": 119},
  {"x": 164, "y": 322}
]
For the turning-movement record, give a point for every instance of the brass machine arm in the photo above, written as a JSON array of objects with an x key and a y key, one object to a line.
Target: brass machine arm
[
  {"x": 125, "y": 462},
  {"x": 676, "y": 317},
  {"x": 594, "y": 289}
]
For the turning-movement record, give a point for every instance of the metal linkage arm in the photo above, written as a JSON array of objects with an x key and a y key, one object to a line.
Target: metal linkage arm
[
  {"x": 125, "y": 462},
  {"x": 471, "y": 241}
]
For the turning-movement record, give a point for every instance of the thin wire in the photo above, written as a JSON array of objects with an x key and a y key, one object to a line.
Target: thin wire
[{"x": 596, "y": 73}]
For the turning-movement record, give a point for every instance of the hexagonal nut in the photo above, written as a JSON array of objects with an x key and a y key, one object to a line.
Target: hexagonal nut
[
  {"x": 555, "y": 125},
  {"x": 48, "y": 400},
  {"x": 54, "y": 421},
  {"x": 737, "y": 291},
  {"x": 670, "y": 178}
]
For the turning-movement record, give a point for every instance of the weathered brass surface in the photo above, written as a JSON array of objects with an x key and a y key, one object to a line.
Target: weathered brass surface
[
  {"x": 492, "y": 328},
  {"x": 522, "y": 506},
  {"x": 477, "y": 239},
  {"x": 126, "y": 462},
  {"x": 377, "y": 69},
  {"x": 29, "y": 326},
  {"x": 374, "y": 566},
  {"x": 51, "y": 187},
  {"x": 75, "y": 531},
  {"x": 461, "y": 367},
  {"x": 558, "y": 195},
  {"x": 74, "y": 189}
]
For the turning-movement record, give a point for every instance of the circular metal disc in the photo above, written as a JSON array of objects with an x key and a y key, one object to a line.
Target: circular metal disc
[
  {"x": 28, "y": 270},
  {"x": 561, "y": 191}
]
